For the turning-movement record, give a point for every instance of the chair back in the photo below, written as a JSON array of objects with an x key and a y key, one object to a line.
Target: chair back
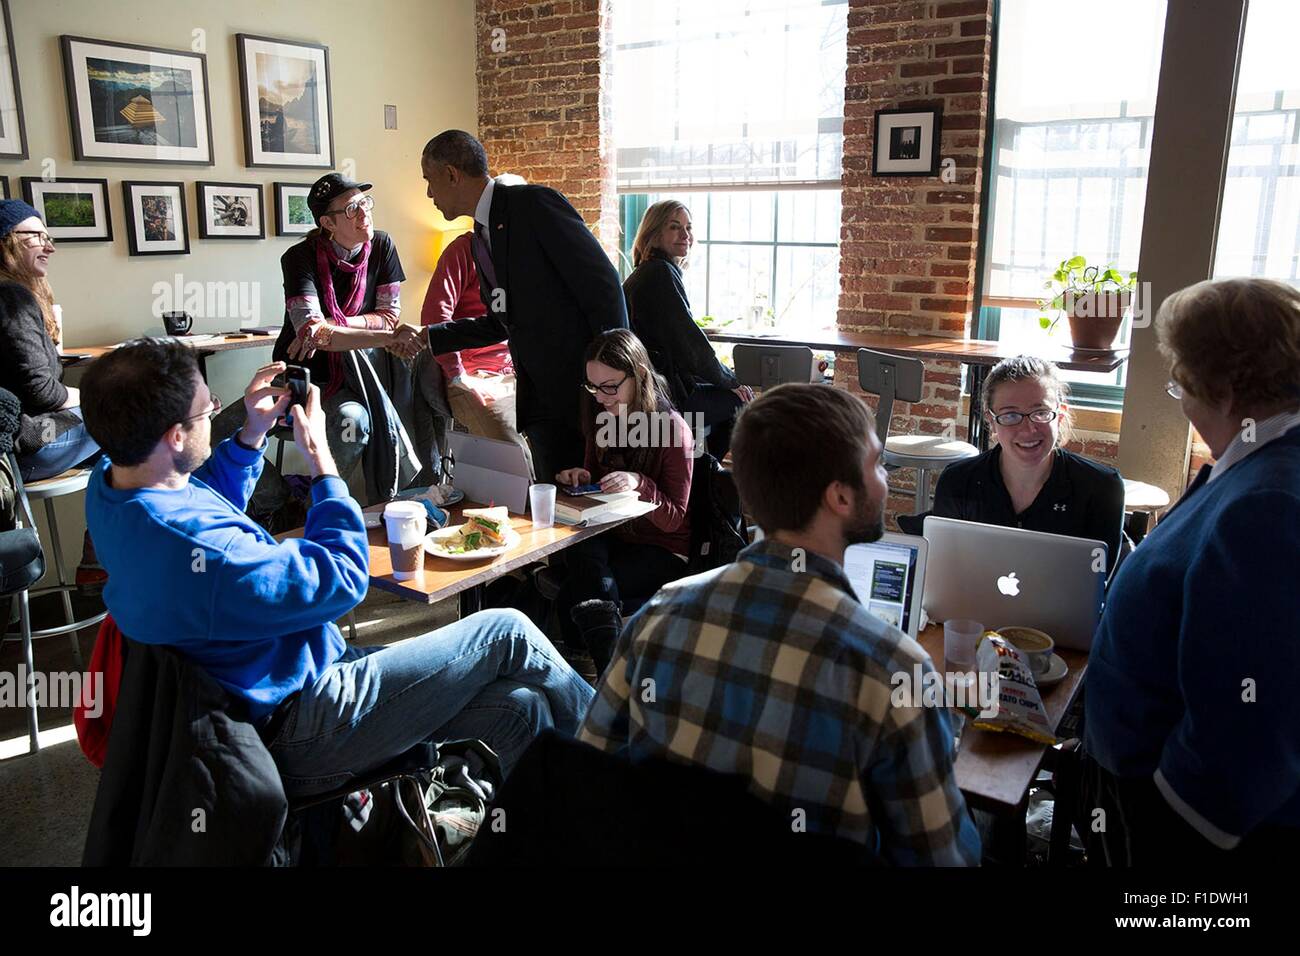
[
  {"x": 763, "y": 366},
  {"x": 890, "y": 377}
]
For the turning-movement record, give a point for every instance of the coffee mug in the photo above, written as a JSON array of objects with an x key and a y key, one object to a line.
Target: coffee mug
[
  {"x": 177, "y": 323},
  {"x": 1034, "y": 644}
]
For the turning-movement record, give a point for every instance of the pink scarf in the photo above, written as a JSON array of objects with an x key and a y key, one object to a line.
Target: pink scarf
[{"x": 327, "y": 260}]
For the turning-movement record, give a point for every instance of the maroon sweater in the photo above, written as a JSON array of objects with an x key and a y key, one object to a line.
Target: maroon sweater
[{"x": 666, "y": 483}]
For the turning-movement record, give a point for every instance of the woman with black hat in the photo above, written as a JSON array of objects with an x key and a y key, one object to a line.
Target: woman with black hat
[{"x": 52, "y": 437}]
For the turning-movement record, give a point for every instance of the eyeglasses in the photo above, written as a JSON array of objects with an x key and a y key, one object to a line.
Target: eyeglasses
[
  {"x": 1040, "y": 415},
  {"x": 1175, "y": 390},
  {"x": 210, "y": 414},
  {"x": 42, "y": 237},
  {"x": 365, "y": 203},
  {"x": 605, "y": 389}
]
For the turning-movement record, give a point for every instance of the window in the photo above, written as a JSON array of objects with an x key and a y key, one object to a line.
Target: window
[
  {"x": 1259, "y": 224},
  {"x": 736, "y": 109},
  {"x": 1071, "y": 143}
]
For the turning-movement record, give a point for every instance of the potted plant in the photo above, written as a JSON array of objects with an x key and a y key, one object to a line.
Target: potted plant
[{"x": 1094, "y": 298}]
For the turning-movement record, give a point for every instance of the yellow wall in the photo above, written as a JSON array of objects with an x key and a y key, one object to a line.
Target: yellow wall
[{"x": 416, "y": 54}]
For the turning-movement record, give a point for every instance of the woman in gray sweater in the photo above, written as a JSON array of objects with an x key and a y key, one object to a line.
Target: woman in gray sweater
[{"x": 52, "y": 437}]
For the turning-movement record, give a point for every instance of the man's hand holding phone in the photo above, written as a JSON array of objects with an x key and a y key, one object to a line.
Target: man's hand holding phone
[
  {"x": 264, "y": 404},
  {"x": 309, "y": 434}
]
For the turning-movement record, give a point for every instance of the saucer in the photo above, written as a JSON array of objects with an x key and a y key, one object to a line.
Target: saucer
[{"x": 1055, "y": 673}]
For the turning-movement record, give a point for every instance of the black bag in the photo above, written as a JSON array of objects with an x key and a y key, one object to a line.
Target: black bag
[
  {"x": 423, "y": 809},
  {"x": 717, "y": 525}
]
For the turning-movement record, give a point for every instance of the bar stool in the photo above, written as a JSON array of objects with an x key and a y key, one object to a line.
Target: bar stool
[
  {"x": 765, "y": 366},
  {"x": 1141, "y": 500},
  {"x": 890, "y": 377},
  {"x": 69, "y": 482}
]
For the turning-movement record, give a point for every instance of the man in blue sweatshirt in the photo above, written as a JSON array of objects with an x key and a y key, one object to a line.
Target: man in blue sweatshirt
[{"x": 187, "y": 568}]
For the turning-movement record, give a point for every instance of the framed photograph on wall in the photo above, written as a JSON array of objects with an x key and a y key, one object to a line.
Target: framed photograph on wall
[
  {"x": 907, "y": 143},
  {"x": 284, "y": 89},
  {"x": 292, "y": 215},
  {"x": 74, "y": 210},
  {"x": 137, "y": 103},
  {"x": 230, "y": 210},
  {"x": 4, "y": 188},
  {"x": 13, "y": 132},
  {"x": 156, "y": 224}
]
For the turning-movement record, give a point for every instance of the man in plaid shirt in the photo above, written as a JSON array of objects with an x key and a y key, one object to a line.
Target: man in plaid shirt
[{"x": 772, "y": 669}]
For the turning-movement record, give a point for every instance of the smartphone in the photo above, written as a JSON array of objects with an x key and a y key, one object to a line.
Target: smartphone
[
  {"x": 582, "y": 489},
  {"x": 298, "y": 380}
]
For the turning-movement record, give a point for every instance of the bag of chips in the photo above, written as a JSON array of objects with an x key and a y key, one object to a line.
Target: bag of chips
[{"x": 1019, "y": 708}]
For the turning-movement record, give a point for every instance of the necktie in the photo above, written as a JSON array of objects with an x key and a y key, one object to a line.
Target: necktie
[{"x": 483, "y": 255}]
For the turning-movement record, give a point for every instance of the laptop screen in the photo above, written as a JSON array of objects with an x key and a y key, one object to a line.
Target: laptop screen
[{"x": 883, "y": 574}]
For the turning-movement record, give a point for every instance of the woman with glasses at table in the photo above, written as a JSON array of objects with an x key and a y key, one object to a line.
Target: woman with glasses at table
[
  {"x": 1028, "y": 480},
  {"x": 52, "y": 436},
  {"x": 660, "y": 314},
  {"x": 613, "y": 574},
  {"x": 1192, "y": 730}
]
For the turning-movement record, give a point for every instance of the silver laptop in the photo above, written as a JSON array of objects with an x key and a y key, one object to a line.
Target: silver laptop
[
  {"x": 888, "y": 577},
  {"x": 490, "y": 471},
  {"x": 1008, "y": 576}
]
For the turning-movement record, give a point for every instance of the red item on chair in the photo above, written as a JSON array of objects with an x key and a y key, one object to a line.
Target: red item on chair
[{"x": 107, "y": 658}]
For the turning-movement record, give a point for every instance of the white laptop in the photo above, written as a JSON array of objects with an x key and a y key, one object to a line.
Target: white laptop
[
  {"x": 1009, "y": 576},
  {"x": 490, "y": 471},
  {"x": 888, "y": 577}
]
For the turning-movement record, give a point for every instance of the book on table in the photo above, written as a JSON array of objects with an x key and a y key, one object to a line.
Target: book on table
[{"x": 577, "y": 509}]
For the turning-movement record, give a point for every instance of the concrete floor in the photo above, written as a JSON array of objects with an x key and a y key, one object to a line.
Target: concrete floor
[{"x": 46, "y": 798}]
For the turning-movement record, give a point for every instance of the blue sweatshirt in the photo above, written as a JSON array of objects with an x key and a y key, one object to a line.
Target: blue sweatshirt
[
  {"x": 1193, "y": 673},
  {"x": 187, "y": 568}
]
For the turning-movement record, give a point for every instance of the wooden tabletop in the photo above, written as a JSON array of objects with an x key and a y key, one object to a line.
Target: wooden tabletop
[
  {"x": 226, "y": 343},
  {"x": 994, "y": 770},
  {"x": 444, "y": 578},
  {"x": 931, "y": 348}
]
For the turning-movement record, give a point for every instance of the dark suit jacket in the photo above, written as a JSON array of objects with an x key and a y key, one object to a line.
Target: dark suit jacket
[
  {"x": 661, "y": 318},
  {"x": 560, "y": 292}
]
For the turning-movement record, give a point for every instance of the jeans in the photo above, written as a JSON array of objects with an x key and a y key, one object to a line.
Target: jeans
[
  {"x": 492, "y": 676},
  {"x": 611, "y": 569},
  {"x": 71, "y": 448}
]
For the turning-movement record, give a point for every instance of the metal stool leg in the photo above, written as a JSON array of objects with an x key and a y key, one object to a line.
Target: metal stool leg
[
  {"x": 25, "y": 623},
  {"x": 63, "y": 577},
  {"x": 279, "y": 456},
  {"x": 922, "y": 491},
  {"x": 352, "y": 625}
]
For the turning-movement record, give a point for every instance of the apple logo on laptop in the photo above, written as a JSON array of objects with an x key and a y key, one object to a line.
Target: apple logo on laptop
[{"x": 1008, "y": 584}]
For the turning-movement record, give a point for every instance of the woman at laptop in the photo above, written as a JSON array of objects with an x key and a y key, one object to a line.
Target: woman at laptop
[
  {"x": 1191, "y": 712},
  {"x": 1027, "y": 480},
  {"x": 636, "y": 442}
]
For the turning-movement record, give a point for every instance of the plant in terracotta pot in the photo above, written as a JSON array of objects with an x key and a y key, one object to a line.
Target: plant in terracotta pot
[{"x": 1094, "y": 298}]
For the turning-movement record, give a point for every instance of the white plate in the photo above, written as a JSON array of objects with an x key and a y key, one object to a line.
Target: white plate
[
  {"x": 432, "y": 546},
  {"x": 1055, "y": 672}
]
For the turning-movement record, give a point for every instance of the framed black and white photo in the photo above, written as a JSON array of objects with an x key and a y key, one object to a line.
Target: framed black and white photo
[
  {"x": 292, "y": 215},
  {"x": 74, "y": 210},
  {"x": 156, "y": 224},
  {"x": 230, "y": 210},
  {"x": 4, "y": 188},
  {"x": 13, "y": 132},
  {"x": 284, "y": 89},
  {"x": 137, "y": 103},
  {"x": 907, "y": 143}
]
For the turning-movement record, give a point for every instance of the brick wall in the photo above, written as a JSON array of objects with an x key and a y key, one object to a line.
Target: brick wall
[
  {"x": 908, "y": 245},
  {"x": 544, "y": 110}
]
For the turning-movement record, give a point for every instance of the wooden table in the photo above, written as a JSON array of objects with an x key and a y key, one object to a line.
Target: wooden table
[
  {"x": 979, "y": 355},
  {"x": 995, "y": 770},
  {"x": 202, "y": 346},
  {"x": 444, "y": 578}
]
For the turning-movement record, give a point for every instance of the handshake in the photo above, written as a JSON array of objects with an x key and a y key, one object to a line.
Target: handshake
[{"x": 407, "y": 341}]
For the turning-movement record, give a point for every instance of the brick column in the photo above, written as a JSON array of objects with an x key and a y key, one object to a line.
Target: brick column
[
  {"x": 544, "y": 101},
  {"x": 908, "y": 245}
]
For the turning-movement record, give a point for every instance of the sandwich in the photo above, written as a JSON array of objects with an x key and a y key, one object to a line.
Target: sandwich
[{"x": 489, "y": 524}]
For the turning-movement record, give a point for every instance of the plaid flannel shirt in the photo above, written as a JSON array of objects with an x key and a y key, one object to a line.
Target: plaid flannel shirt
[{"x": 784, "y": 677}]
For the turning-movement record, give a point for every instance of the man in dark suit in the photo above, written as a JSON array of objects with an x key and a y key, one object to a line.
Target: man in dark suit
[{"x": 548, "y": 286}]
